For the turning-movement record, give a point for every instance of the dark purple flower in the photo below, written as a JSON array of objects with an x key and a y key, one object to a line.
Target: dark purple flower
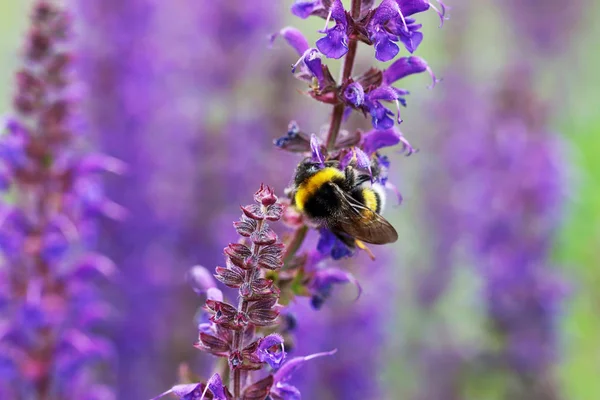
[
  {"x": 316, "y": 150},
  {"x": 383, "y": 41},
  {"x": 329, "y": 244},
  {"x": 369, "y": 100},
  {"x": 271, "y": 351},
  {"x": 357, "y": 158},
  {"x": 374, "y": 140},
  {"x": 354, "y": 94},
  {"x": 310, "y": 58},
  {"x": 335, "y": 43},
  {"x": 390, "y": 24}
]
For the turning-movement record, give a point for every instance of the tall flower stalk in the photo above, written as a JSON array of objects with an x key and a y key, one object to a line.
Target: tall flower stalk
[
  {"x": 187, "y": 163},
  {"x": 50, "y": 306},
  {"x": 232, "y": 332},
  {"x": 309, "y": 273}
]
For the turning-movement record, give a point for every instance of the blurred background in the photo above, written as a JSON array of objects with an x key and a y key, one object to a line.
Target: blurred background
[{"x": 491, "y": 290}]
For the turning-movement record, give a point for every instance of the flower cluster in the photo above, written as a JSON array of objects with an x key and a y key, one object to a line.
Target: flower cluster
[
  {"x": 370, "y": 93},
  {"x": 50, "y": 303},
  {"x": 231, "y": 331}
]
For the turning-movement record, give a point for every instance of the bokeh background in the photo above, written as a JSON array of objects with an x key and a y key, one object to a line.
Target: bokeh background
[{"x": 189, "y": 94}]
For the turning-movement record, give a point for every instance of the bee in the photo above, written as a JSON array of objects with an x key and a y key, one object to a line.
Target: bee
[{"x": 343, "y": 201}]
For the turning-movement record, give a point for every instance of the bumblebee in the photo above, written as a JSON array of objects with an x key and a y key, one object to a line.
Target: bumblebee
[{"x": 343, "y": 201}]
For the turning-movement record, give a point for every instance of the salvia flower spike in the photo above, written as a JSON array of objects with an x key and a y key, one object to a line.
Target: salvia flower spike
[
  {"x": 386, "y": 25},
  {"x": 231, "y": 330},
  {"x": 50, "y": 304}
]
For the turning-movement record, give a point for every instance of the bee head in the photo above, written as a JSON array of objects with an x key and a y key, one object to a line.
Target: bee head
[{"x": 305, "y": 170}]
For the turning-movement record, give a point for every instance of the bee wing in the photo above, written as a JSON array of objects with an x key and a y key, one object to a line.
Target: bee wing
[{"x": 361, "y": 222}]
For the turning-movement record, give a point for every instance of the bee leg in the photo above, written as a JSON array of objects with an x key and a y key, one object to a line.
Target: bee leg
[
  {"x": 364, "y": 247},
  {"x": 349, "y": 175}
]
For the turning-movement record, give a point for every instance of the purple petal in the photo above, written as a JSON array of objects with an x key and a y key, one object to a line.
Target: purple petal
[
  {"x": 385, "y": 48},
  {"x": 215, "y": 385},
  {"x": 286, "y": 391},
  {"x": 376, "y": 139},
  {"x": 183, "y": 390},
  {"x": 315, "y": 147},
  {"x": 329, "y": 244},
  {"x": 385, "y": 93},
  {"x": 200, "y": 279},
  {"x": 404, "y": 67},
  {"x": 410, "y": 7},
  {"x": 93, "y": 264},
  {"x": 328, "y": 276},
  {"x": 412, "y": 41},
  {"x": 215, "y": 294},
  {"x": 335, "y": 44},
  {"x": 97, "y": 162},
  {"x": 362, "y": 160},
  {"x": 291, "y": 366},
  {"x": 388, "y": 9},
  {"x": 312, "y": 60},
  {"x": 355, "y": 94},
  {"x": 294, "y": 38},
  {"x": 381, "y": 116},
  {"x": 271, "y": 350},
  {"x": 358, "y": 158},
  {"x": 303, "y": 8},
  {"x": 338, "y": 13}
]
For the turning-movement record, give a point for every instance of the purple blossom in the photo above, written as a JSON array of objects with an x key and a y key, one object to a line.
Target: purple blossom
[
  {"x": 271, "y": 350},
  {"x": 335, "y": 43},
  {"x": 166, "y": 132},
  {"x": 368, "y": 99},
  {"x": 390, "y": 24}
]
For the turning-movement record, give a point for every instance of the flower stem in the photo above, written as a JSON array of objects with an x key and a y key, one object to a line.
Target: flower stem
[{"x": 338, "y": 109}]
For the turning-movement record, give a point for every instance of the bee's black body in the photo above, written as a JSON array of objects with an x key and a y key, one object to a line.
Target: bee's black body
[{"x": 339, "y": 200}]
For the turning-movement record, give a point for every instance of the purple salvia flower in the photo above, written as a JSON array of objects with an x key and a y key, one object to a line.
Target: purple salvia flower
[
  {"x": 50, "y": 305},
  {"x": 231, "y": 330},
  {"x": 335, "y": 43}
]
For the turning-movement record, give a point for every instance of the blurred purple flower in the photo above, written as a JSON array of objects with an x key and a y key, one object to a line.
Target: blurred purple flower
[
  {"x": 535, "y": 24},
  {"x": 50, "y": 305},
  {"x": 181, "y": 181},
  {"x": 509, "y": 173}
]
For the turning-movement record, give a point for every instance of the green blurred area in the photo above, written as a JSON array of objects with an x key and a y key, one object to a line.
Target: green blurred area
[{"x": 578, "y": 120}]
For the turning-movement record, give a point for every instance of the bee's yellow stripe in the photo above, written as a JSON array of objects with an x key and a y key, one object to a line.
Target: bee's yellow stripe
[
  {"x": 310, "y": 186},
  {"x": 370, "y": 199}
]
